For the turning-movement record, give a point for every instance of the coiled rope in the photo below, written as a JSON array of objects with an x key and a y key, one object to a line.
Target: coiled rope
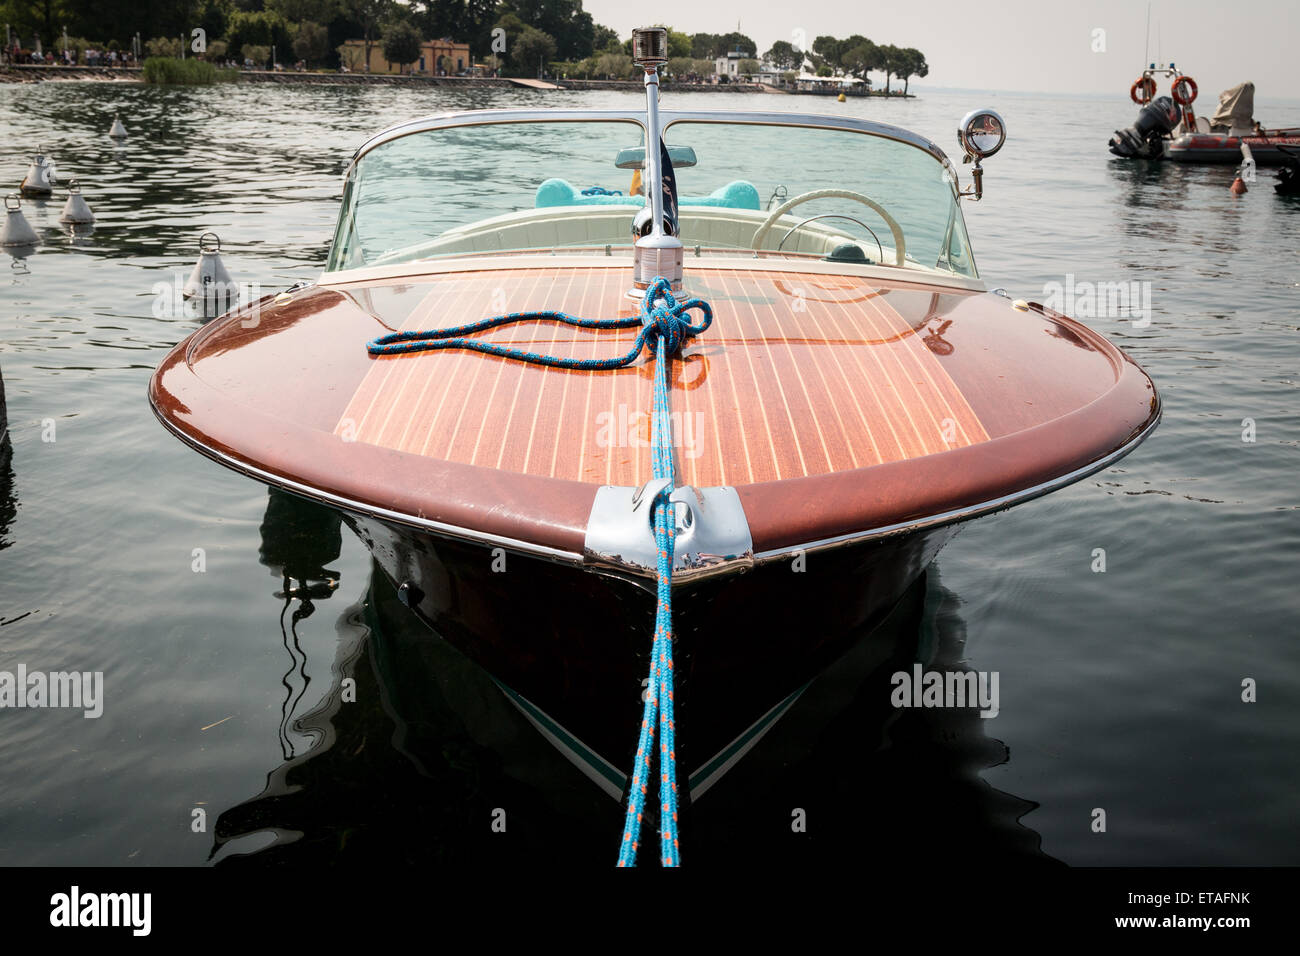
[{"x": 663, "y": 319}]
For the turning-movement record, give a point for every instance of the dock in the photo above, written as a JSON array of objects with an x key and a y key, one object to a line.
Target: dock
[{"x": 533, "y": 84}]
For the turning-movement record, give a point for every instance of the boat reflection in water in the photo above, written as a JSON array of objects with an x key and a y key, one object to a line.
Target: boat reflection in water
[
  {"x": 8, "y": 504},
  {"x": 435, "y": 761},
  {"x": 299, "y": 537}
]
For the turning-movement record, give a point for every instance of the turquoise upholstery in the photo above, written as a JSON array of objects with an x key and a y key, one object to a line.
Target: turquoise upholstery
[{"x": 559, "y": 192}]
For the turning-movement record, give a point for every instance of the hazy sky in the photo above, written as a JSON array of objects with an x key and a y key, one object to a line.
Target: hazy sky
[{"x": 1021, "y": 44}]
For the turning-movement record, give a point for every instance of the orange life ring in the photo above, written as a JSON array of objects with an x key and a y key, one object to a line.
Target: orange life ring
[
  {"x": 1147, "y": 85},
  {"x": 1179, "y": 98}
]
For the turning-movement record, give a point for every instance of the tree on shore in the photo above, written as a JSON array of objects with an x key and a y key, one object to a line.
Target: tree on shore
[
  {"x": 602, "y": 38},
  {"x": 401, "y": 44},
  {"x": 857, "y": 56},
  {"x": 570, "y": 28},
  {"x": 311, "y": 42},
  {"x": 531, "y": 48},
  {"x": 258, "y": 53},
  {"x": 163, "y": 46},
  {"x": 368, "y": 14},
  {"x": 913, "y": 65},
  {"x": 784, "y": 56},
  {"x": 616, "y": 65},
  {"x": 860, "y": 58},
  {"x": 828, "y": 52},
  {"x": 709, "y": 46}
]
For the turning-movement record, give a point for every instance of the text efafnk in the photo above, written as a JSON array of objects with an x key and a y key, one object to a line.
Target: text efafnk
[
  {"x": 951, "y": 689},
  {"x": 102, "y": 909},
  {"x": 82, "y": 690}
]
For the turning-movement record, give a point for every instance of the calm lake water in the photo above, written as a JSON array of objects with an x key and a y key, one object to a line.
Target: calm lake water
[{"x": 1119, "y": 690}]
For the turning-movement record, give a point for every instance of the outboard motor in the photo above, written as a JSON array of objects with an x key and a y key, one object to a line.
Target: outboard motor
[
  {"x": 1145, "y": 138},
  {"x": 1288, "y": 177}
]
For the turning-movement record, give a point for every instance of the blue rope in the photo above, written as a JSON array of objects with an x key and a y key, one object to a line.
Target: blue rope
[
  {"x": 665, "y": 320},
  {"x": 661, "y": 316},
  {"x": 601, "y": 191},
  {"x": 659, "y": 691}
]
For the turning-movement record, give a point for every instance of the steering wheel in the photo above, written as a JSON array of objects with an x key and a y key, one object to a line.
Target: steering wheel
[{"x": 900, "y": 247}]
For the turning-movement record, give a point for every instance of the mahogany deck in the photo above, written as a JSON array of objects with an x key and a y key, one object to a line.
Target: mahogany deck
[
  {"x": 833, "y": 404},
  {"x": 798, "y": 376}
]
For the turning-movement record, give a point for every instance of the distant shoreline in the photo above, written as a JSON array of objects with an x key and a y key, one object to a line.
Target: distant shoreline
[{"x": 33, "y": 73}]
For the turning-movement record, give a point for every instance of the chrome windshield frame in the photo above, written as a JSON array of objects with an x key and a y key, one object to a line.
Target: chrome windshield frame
[{"x": 667, "y": 117}]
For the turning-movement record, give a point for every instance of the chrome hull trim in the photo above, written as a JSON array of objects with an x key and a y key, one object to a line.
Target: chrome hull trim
[
  {"x": 640, "y": 575},
  {"x": 357, "y": 507},
  {"x": 966, "y": 514}
]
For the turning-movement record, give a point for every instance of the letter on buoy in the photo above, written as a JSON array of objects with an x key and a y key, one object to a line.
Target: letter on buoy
[
  {"x": 39, "y": 181},
  {"x": 75, "y": 209},
  {"x": 118, "y": 131},
  {"x": 17, "y": 230},
  {"x": 210, "y": 283}
]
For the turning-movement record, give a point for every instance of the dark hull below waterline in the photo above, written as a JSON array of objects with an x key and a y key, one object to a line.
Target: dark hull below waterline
[{"x": 575, "y": 644}]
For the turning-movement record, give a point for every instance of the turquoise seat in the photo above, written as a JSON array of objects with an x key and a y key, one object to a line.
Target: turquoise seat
[{"x": 734, "y": 195}]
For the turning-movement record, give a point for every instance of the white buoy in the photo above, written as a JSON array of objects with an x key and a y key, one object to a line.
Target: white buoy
[
  {"x": 40, "y": 178},
  {"x": 75, "y": 210},
  {"x": 210, "y": 284},
  {"x": 118, "y": 131},
  {"x": 17, "y": 230}
]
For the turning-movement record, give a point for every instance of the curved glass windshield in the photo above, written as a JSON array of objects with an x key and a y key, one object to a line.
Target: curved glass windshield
[{"x": 742, "y": 188}]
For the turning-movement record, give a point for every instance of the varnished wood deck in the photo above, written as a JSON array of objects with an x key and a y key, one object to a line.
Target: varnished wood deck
[{"x": 798, "y": 376}]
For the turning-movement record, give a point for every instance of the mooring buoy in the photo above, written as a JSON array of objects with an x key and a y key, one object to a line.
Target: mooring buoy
[
  {"x": 17, "y": 231},
  {"x": 118, "y": 131},
  {"x": 40, "y": 178},
  {"x": 75, "y": 210},
  {"x": 210, "y": 283}
]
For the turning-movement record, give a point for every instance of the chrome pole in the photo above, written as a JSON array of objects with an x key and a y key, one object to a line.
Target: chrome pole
[
  {"x": 649, "y": 51},
  {"x": 657, "y": 253}
]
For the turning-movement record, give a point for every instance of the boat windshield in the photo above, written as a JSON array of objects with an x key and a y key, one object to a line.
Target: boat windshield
[{"x": 775, "y": 190}]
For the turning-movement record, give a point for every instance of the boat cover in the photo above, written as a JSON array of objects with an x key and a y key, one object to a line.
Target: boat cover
[{"x": 1236, "y": 109}]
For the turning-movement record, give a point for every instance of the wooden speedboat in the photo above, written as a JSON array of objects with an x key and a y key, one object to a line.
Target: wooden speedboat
[{"x": 859, "y": 394}]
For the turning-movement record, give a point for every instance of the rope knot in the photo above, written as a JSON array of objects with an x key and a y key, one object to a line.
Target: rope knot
[{"x": 663, "y": 316}]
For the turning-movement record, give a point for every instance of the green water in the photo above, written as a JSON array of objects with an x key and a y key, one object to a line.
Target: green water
[{"x": 1120, "y": 690}]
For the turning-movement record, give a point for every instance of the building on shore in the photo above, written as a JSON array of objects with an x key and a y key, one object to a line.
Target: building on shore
[
  {"x": 728, "y": 64},
  {"x": 831, "y": 85},
  {"x": 443, "y": 57}
]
